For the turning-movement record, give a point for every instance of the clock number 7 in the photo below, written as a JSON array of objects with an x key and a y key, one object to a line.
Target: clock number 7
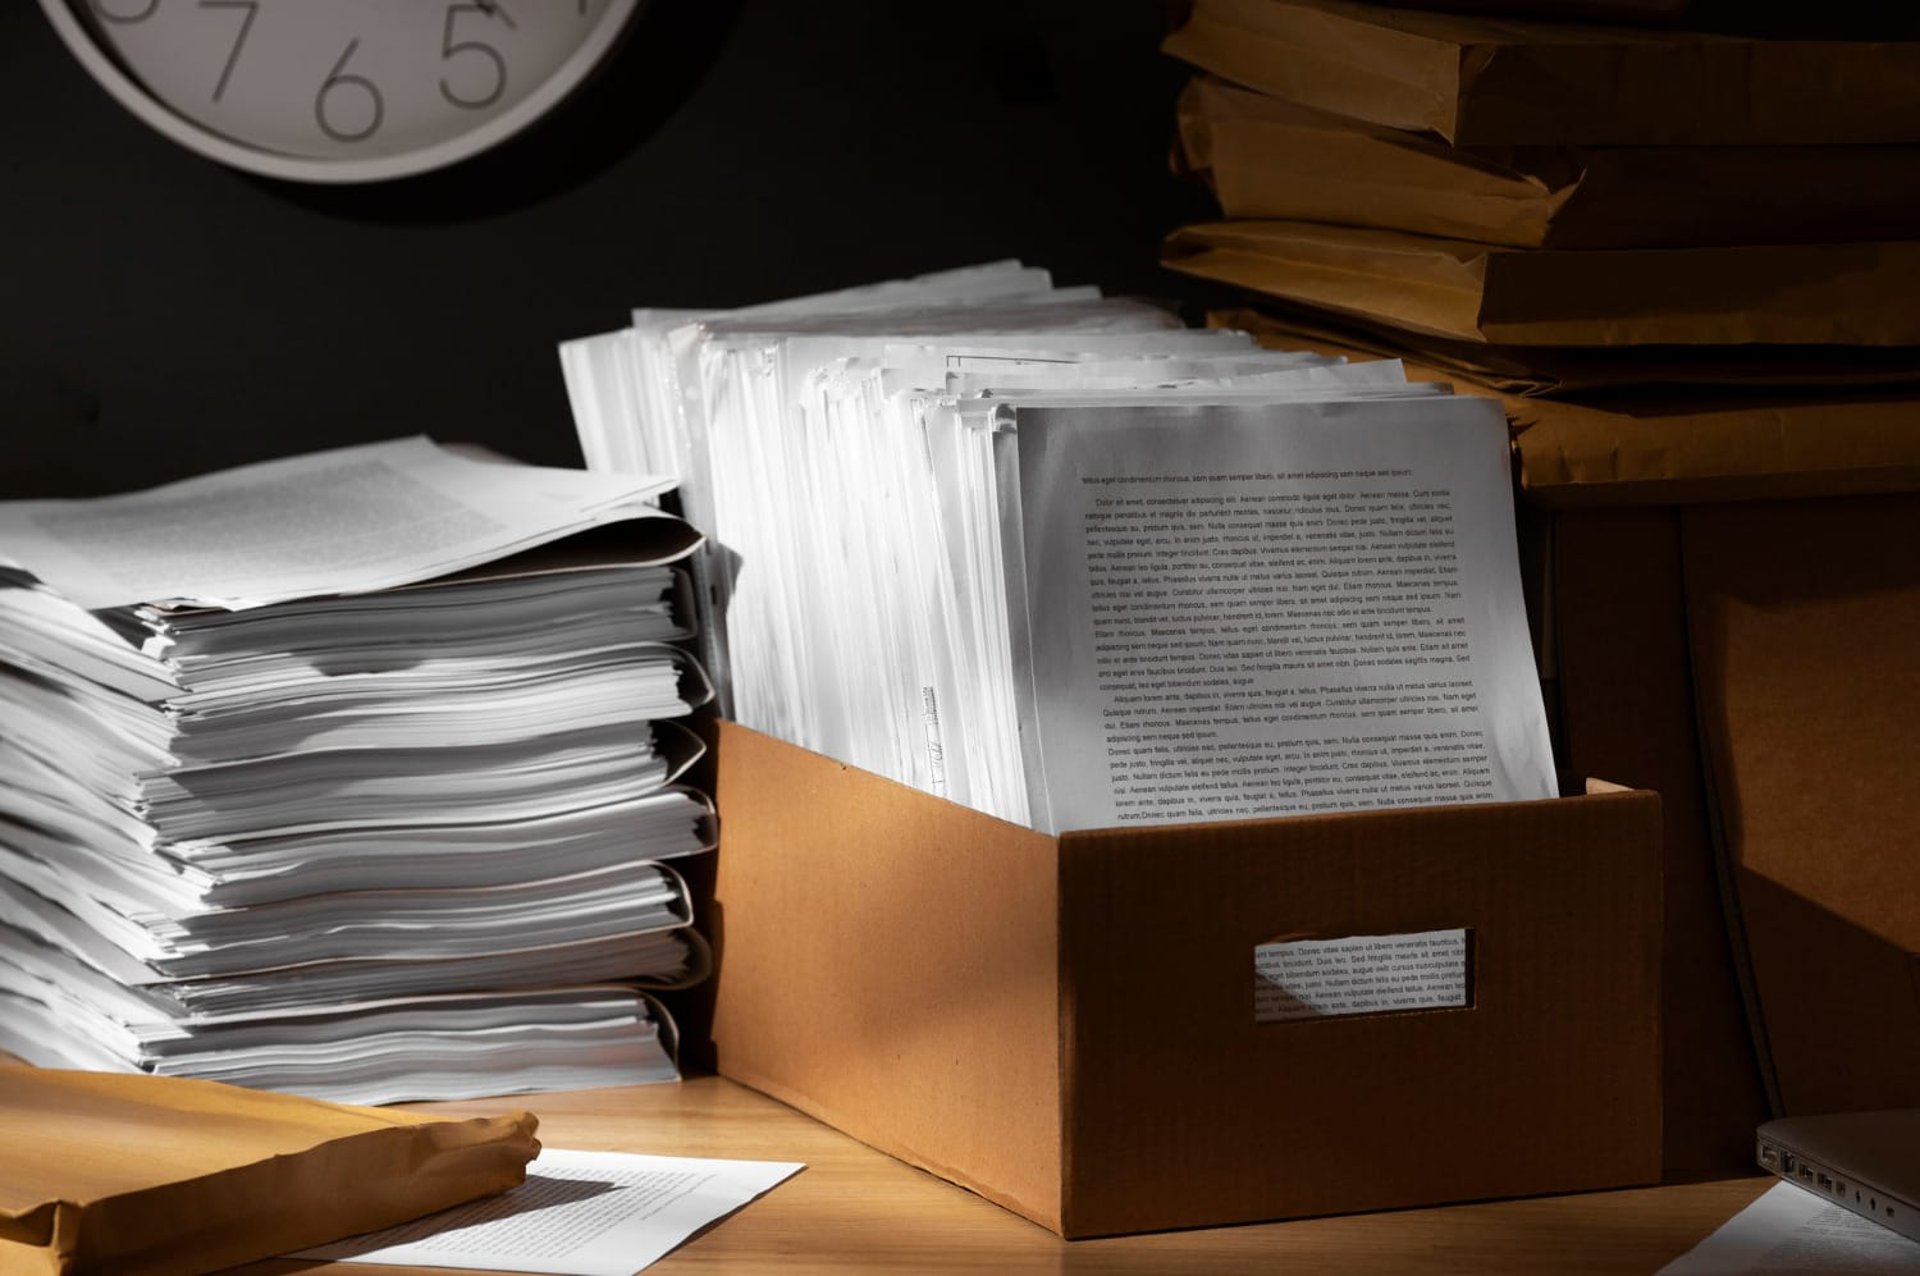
[
  {"x": 451, "y": 48},
  {"x": 246, "y": 24},
  {"x": 337, "y": 82}
]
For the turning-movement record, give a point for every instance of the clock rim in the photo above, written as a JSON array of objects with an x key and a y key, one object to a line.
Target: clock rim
[{"x": 156, "y": 114}]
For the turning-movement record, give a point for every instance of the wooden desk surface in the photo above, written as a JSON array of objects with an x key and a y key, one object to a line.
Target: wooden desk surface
[{"x": 855, "y": 1210}]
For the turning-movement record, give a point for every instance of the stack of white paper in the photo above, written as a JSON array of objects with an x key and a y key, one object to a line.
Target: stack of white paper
[
  {"x": 1050, "y": 556},
  {"x": 346, "y": 775}
]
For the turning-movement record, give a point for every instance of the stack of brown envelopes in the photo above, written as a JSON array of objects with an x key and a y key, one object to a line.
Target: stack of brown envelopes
[{"x": 1687, "y": 259}]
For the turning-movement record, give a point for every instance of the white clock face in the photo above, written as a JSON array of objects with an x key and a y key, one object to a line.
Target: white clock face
[{"x": 340, "y": 90}]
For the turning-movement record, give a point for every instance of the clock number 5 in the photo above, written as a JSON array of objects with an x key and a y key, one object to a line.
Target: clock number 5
[
  {"x": 451, "y": 49},
  {"x": 329, "y": 100}
]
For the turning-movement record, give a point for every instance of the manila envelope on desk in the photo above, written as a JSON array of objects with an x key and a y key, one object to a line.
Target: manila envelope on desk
[
  {"x": 1269, "y": 158},
  {"x": 1496, "y": 81},
  {"x": 1848, "y": 294},
  {"x": 165, "y": 1176},
  {"x": 1066, "y": 1026}
]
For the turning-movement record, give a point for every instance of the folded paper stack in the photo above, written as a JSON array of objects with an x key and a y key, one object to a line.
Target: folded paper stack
[
  {"x": 348, "y": 775},
  {"x": 1658, "y": 223}
]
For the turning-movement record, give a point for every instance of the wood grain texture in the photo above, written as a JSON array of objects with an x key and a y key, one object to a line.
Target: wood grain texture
[{"x": 854, "y": 1210}]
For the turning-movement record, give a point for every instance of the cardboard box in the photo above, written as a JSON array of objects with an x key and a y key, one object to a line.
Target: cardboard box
[{"x": 1065, "y": 1025}]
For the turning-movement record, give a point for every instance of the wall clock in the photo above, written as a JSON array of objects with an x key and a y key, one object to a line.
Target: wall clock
[{"x": 340, "y": 91}]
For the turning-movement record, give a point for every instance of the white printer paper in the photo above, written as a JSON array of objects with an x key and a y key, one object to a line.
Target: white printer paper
[
  {"x": 578, "y": 1213},
  {"x": 1791, "y": 1232},
  {"x": 342, "y": 521},
  {"x": 1268, "y": 609}
]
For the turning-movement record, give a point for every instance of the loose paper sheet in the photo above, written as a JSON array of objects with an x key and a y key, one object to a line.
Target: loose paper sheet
[
  {"x": 578, "y": 1213},
  {"x": 1793, "y": 1232},
  {"x": 1359, "y": 975}
]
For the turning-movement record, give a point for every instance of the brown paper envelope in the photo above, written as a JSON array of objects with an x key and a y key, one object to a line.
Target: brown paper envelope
[
  {"x": 1799, "y": 294},
  {"x": 1508, "y": 82},
  {"x": 1621, "y": 451},
  {"x": 139, "y": 1175},
  {"x": 1269, "y": 158},
  {"x": 1526, "y": 371},
  {"x": 1677, "y": 452}
]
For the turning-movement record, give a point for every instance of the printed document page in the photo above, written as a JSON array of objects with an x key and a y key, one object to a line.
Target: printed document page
[
  {"x": 578, "y": 1213},
  {"x": 1792, "y": 1232},
  {"x": 1240, "y": 610},
  {"x": 344, "y": 521}
]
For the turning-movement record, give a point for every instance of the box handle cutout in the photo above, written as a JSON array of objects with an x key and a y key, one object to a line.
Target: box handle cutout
[{"x": 1297, "y": 979}]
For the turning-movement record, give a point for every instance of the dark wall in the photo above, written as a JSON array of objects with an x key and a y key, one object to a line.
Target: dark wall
[{"x": 164, "y": 315}]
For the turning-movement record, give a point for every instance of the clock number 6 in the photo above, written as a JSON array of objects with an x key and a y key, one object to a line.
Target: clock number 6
[
  {"x": 451, "y": 48},
  {"x": 336, "y": 83}
]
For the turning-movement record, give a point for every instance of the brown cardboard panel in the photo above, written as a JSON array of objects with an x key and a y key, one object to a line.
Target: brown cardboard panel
[
  {"x": 1669, "y": 450},
  {"x": 1626, "y": 711},
  {"x": 1269, "y": 158},
  {"x": 1513, "y": 82},
  {"x": 1803, "y": 620},
  {"x": 1550, "y": 1081},
  {"x": 1837, "y": 1001},
  {"x": 887, "y": 963},
  {"x": 1852, "y": 294}
]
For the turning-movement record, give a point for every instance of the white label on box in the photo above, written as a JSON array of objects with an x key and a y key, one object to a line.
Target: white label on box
[{"x": 1359, "y": 975}]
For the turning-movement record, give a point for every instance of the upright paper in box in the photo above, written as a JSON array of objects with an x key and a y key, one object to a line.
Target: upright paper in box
[{"x": 1065, "y": 1025}]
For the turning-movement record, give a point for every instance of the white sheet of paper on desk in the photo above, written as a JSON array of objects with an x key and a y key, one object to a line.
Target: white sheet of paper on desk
[
  {"x": 578, "y": 1213},
  {"x": 1790, "y": 1231}
]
